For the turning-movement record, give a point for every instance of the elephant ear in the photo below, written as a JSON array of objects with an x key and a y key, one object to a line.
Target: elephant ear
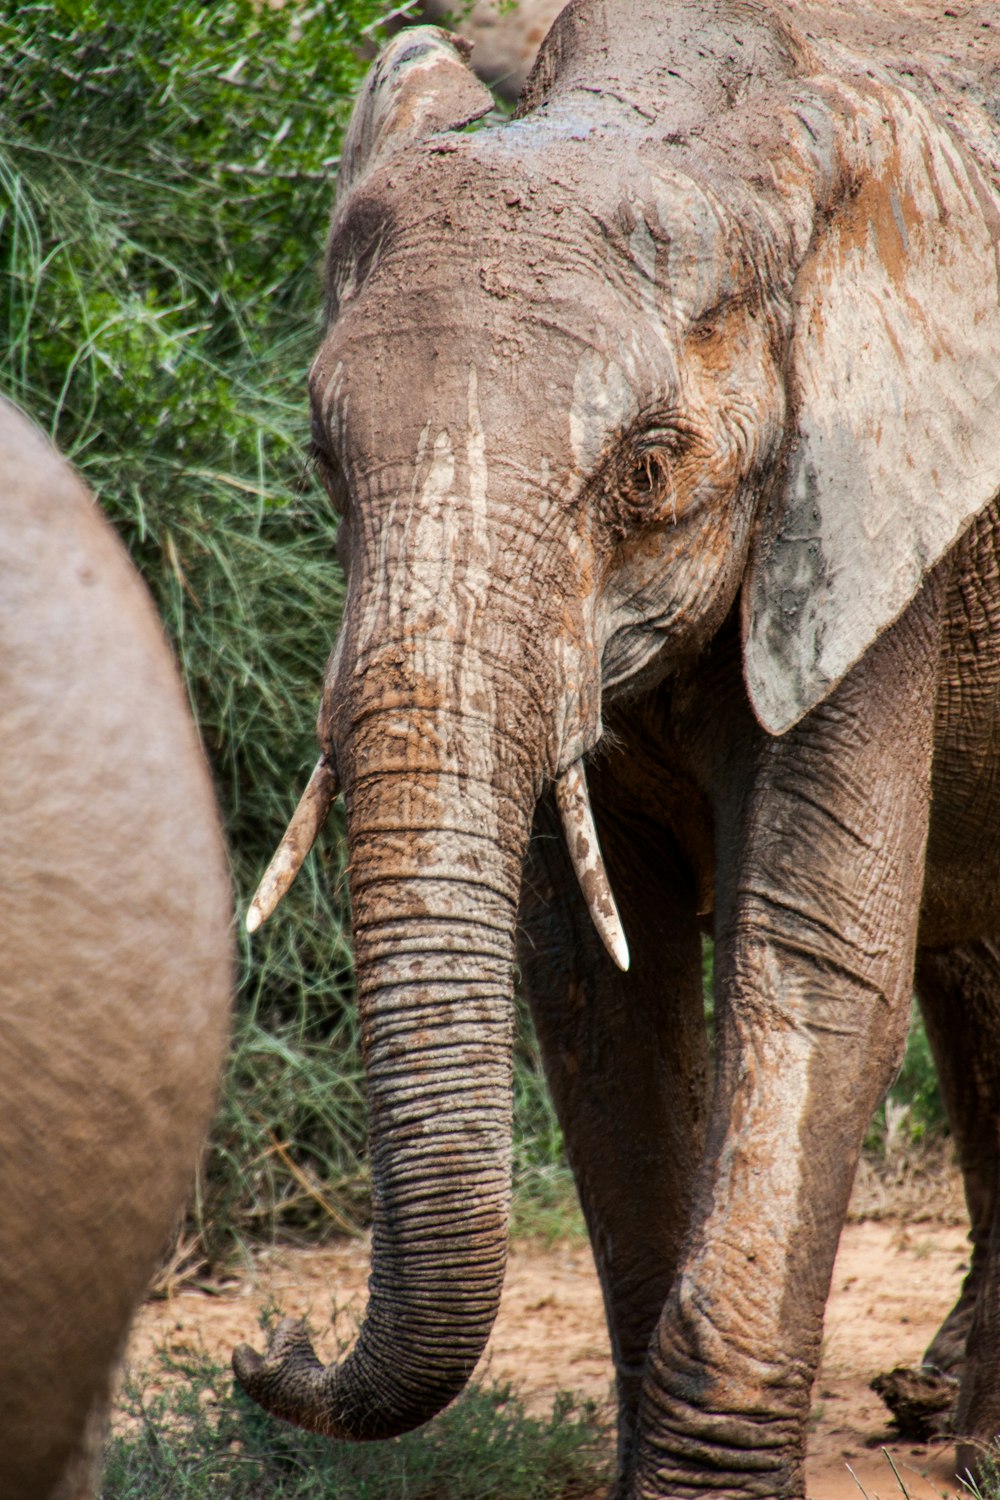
[
  {"x": 894, "y": 397},
  {"x": 419, "y": 85}
]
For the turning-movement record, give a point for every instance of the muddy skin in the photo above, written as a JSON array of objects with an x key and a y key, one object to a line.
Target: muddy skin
[
  {"x": 115, "y": 983},
  {"x": 662, "y": 421}
]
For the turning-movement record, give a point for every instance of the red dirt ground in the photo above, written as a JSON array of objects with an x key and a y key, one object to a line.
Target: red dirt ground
[{"x": 892, "y": 1285}]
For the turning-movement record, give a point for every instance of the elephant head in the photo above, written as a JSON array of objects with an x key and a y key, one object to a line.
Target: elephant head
[{"x": 692, "y": 332}]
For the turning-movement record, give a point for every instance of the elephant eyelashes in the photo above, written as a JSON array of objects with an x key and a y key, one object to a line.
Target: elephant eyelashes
[
  {"x": 648, "y": 484},
  {"x": 645, "y": 475},
  {"x": 331, "y": 475},
  {"x": 642, "y": 489}
]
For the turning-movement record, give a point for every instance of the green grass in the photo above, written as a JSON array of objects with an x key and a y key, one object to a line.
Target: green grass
[
  {"x": 545, "y": 1204},
  {"x": 987, "y": 1486},
  {"x": 185, "y": 1433}
]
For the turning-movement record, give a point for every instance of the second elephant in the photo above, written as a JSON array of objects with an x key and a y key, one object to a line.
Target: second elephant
[
  {"x": 115, "y": 969},
  {"x": 663, "y": 422}
]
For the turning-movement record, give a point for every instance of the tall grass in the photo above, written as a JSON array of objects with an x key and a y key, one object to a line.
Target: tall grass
[{"x": 165, "y": 181}]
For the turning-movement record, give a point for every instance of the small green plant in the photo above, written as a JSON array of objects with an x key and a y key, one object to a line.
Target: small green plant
[
  {"x": 913, "y": 1109},
  {"x": 987, "y": 1484},
  {"x": 985, "y": 1487},
  {"x": 184, "y": 1433}
]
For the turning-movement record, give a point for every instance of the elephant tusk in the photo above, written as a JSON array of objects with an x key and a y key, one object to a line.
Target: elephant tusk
[
  {"x": 585, "y": 852},
  {"x": 300, "y": 835}
]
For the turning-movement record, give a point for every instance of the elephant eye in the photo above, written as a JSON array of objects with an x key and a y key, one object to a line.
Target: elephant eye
[
  {"x": 649, "y": 477},
  {"x": 645, "y": 483},
  {"x": 640, "y": 490},
  {"x": 646, "y": 474}
]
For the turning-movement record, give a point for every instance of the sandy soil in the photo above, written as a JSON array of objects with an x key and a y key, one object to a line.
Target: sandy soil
[{"x": 892, "y": 1285}]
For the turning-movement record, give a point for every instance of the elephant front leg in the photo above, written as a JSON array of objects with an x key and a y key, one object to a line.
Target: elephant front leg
[
  {"x": 814, "y": 956},
  {"x": 627, "y": 1062}
]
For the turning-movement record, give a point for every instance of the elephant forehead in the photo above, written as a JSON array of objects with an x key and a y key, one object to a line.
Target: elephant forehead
[
  {"x": 635, "y": 215},
  {"x": 550, "y": 383},
  {"x": 523, "y": 210},
  {"x": 467, "y": 213},
  {"x": 461, "y": 431}
]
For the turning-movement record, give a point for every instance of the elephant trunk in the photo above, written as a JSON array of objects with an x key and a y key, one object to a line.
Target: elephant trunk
[{"x": 436, "y": 858}]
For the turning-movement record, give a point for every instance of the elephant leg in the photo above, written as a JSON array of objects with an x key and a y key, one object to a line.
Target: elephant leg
[
  {"x": 80, "y": 1478},
  {"x": 822, "y": 837},
  {"x": 626, "y": 1060},
  {"x": 959, "y": 991}
]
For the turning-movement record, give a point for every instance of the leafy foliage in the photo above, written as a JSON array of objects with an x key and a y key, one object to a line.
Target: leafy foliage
[{"x": 914, "y": 1098}]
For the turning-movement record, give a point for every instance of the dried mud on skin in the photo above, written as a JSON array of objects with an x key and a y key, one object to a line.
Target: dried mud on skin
[{"x": 892, "y": 1285}]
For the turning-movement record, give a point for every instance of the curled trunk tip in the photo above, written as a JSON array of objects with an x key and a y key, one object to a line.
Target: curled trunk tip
[
  {"x": 360, "y": 1399},
  {"x": 288, "y": 1380},
  {"x": 292, "y": 1383}
]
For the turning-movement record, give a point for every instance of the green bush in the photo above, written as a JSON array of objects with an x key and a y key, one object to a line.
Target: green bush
[{"x": 914, "y": 1094}]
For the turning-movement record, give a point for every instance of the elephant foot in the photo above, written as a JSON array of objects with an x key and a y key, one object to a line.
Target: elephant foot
[
  {"x": 922, "y": 1401},
  {"x": 946, "y": 1352}
]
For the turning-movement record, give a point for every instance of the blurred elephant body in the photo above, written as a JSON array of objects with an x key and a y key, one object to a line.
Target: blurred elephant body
[
  {"x": 663, "y": 421},
  {"x": 115, "y": 980},
  {"x": 505, "y": 38}
]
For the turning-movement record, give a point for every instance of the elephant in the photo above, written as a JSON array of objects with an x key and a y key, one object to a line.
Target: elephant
[
  {"x": 663, "y": 422},
  {"x": 504, "y": 37},
  {"x": 116, "y": 917}
]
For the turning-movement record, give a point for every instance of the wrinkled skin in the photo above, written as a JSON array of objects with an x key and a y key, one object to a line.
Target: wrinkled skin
[
  {"x": 115, "y": 981},
  {"x": 663, "y": 424}
]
